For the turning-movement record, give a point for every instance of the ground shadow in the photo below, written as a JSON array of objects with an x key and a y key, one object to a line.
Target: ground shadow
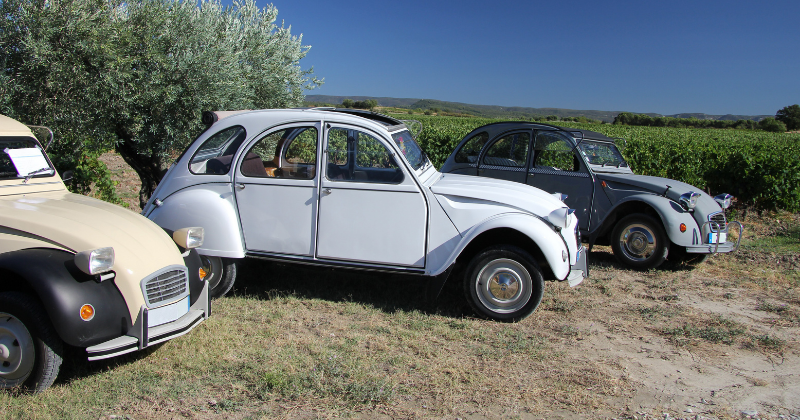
[{"x": 387, "y": 292}]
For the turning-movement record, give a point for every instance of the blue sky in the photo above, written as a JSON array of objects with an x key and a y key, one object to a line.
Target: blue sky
[{"x": 716, "y": 57}]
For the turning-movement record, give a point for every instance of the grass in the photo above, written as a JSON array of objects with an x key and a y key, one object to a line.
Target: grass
[{"x": 316, "y": 343}]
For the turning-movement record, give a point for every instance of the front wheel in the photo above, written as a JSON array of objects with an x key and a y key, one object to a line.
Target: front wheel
[
  {"x": 220, "y": 273},
  {"x": 503, "y": 283},
  {"x": 30, "y": 350},
  {"x": 639, "y": 241}
]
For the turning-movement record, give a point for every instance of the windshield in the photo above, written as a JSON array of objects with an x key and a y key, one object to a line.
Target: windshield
[
  {"x": 22, "y": 157},
  {"x": 602, "y": 154},
  {"x": 410, "y": 149}
]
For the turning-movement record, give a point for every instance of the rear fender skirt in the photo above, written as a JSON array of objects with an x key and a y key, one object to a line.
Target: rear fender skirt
[{"x": 63, "y": 289}]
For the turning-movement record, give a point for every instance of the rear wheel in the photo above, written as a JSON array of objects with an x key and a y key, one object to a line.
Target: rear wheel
[
  {"x": 503, "y": 283},
  {"x": 30, "y": 349},
  {"x": 639, "y": 241},
  {"x": 221, "y": 274}
]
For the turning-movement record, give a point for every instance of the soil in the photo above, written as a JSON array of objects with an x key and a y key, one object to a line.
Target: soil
[{"x": 717, "y": 341}]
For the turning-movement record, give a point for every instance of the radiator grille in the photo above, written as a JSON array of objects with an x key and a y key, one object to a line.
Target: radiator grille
[
  {"x": 719, "y": 219},
  {"x": 166, "y": 287}
]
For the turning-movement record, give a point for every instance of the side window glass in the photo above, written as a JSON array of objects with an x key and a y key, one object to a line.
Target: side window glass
[
  {"x": 359, "y": 157},
  {"x": 554, "y": 153},
  {"x": 288, "y": 154},
  {"x": 215, "y": 154},
  {"x": 511, "y": 150},
  {"x": 471, "y": 149}
]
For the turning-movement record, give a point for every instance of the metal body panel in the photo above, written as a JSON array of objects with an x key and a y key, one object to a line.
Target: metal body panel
[{"x": 209, "y": 205}]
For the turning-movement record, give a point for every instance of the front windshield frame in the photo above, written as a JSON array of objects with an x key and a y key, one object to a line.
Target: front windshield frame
[
  {"x": 602, "y": 154},
  {"x": 22, "y": 142},
  {"x": 410, "y": 149}
]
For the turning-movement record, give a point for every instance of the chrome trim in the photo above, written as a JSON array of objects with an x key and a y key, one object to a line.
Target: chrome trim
[{"x": 172, "y": 286}]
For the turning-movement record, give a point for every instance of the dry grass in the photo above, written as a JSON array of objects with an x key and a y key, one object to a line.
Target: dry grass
[{"x": 299, "y": 343}]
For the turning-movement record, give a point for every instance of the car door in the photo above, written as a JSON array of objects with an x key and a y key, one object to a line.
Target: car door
[
  {"x": 556, "y": 167},
  {"x": 276, "y": 190},
  {"x": 370, "y": 207},
  {"x": 507, "y": 157}
]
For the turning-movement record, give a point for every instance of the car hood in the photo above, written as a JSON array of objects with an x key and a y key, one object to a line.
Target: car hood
[
  {"x": 657, "y": 185},
  {"x": 505, "y": 195}
]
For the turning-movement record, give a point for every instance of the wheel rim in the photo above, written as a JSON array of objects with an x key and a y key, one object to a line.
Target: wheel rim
[
  {"x": 212, "y": 266},
  {"x": 638, "y": 242},
  {"x": 504, "y": 286},
  {"x": 17, "y": 352}
]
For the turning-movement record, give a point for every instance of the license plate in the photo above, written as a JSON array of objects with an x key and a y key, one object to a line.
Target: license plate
[
  {"x": 167, "y": 313},
  {"x": 712, "y": 238}
]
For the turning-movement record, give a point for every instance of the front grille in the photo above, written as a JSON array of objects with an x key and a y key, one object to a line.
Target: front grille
[
  {"x": 166, "y": 286},
  {"x": 719, "y": 219}
]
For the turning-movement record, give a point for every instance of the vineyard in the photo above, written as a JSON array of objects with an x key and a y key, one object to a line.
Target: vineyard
[{"x": 761, "y": 169}]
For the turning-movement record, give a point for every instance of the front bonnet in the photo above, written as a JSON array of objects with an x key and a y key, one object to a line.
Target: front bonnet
[
  {"x": 503, "y": 193},
  {"x": 80, "y": 223},
  {"x": 653, "y": 184}
]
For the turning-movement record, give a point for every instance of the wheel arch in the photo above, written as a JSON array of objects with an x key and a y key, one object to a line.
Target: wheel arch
[
  {"x": 669, "y": 213},
  {"x": 51, "y": 276},
  {"x": 529, "y": 233}
]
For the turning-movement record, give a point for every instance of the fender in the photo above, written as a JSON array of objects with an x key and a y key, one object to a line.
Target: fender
[
  {"x": 63, "y": 289},
  {"x": 671, "y": 215},
  {"x": 211, "y": 206},
  {"x": 548, "y": 240}
]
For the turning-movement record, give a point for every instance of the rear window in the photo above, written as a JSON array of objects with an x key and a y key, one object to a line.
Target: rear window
[
  {"x": 215, "y": 154},
  {"x": 469, "y": 152}
]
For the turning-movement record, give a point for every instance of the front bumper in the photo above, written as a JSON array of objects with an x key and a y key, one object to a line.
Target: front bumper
[
  {"x": 580, "y": 270},
  {"x": 140, "y": 336},
  {"x": 724, "y": 247}
]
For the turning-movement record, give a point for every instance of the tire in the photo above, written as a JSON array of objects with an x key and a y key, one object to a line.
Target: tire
[
  {"x": 503, "y": 283},
  {"x": 639, "y": 241},
  {"x": 30, "y": 350},
  {"x": 222, "y": 275}
]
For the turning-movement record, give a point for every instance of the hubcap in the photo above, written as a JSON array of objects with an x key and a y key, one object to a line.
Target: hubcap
[
  {"x": 638, "y": 242},
  {"x": 503, "y": 286},
  {"x": 17, "y": 352}
]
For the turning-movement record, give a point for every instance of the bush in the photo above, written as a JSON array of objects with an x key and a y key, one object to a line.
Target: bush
[{"x": 772, "y": 125}]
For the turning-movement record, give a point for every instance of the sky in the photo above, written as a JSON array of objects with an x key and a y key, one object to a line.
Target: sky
[{"x": 715, "y": 57}]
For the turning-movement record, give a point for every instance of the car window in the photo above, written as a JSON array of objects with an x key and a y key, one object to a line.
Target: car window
[
  {"x": 553, "y": 152},
  {"x": 215, "y": 154},
  {"x": 356, "y": 156},
  {"x": 290, "y": 153},
  {"x": 410, "y": 149},
  {"x": 468, "y": 153},
  {"x": 510, "y": 150},
  {"x": 21, "y": 157}
]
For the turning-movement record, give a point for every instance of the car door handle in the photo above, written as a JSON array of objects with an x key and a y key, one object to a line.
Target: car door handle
[
  {"x": 239, "y": 186},
  {"x": 326, "y": 191}
]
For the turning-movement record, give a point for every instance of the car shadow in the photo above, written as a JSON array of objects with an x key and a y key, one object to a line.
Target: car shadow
[
  {"x": 605, "y": 259},
  {"x": 388, "y": 292},
  {"x": 76, "y": 366}
]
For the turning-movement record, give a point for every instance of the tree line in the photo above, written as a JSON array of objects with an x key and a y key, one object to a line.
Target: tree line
[{"x": 787, "y": 118}]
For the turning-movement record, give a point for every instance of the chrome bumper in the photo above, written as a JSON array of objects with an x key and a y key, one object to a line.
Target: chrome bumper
[
  {"x": 140, "y": 337},
  {"x": 580, "y": 270}
]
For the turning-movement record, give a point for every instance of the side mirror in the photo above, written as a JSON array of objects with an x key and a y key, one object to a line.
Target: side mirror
[{"x": 67, "y": 176}]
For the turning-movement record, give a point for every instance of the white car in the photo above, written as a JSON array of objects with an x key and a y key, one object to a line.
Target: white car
[{"x": 346, "y": 188}]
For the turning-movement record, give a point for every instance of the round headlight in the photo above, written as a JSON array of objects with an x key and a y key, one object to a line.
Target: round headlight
[
  {"x": 95, "y": 261},
  {"x": 689, "y": 199},
  {"x": 724, "y": 200},
  {"x": 191, "y": 237}
]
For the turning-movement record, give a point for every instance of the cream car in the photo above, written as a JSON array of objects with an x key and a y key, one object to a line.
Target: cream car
[{"x": 82, "y": 272}]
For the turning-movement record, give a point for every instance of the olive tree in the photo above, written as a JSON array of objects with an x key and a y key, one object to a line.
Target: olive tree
[{"x": 136, "y": 75}]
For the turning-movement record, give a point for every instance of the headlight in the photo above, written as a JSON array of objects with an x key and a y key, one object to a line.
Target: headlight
[
  {"x": 191, "y": 237},
  {"x": 689, "y": 199},
  {"x": 724, "y": 200},
  {"x": 95, "y": 261},
  {"x": 562, "y": 217}
]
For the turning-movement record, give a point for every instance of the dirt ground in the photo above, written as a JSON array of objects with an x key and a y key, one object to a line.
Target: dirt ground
[{"x": 717, "y": 341}]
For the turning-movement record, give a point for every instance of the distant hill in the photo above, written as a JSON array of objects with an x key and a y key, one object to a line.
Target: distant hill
[{"x": 495, "y": 111}]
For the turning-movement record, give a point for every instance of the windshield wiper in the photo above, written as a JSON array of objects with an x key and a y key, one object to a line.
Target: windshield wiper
[{"x": 36, "y": 172}]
